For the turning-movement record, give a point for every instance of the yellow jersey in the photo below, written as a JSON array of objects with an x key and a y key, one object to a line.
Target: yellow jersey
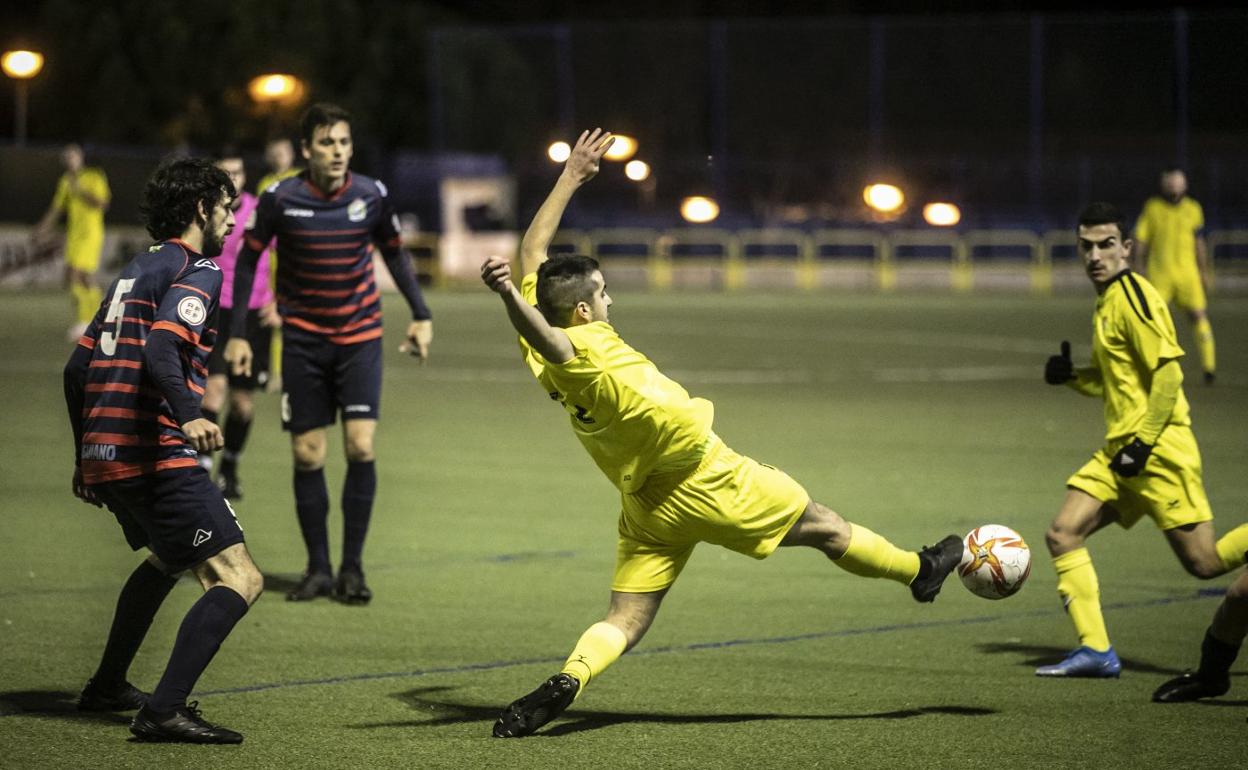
[
  {"x": 83, "y": 221},
  {"x": 1132, "y": 335},
  {"x": 632, "y": 420},
  {"x": 1170, "y": 231}
]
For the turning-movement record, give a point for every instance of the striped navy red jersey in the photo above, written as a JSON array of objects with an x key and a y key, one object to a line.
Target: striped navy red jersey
[
  {"x": 325, "y": 282},
  {"x": 128, "y": 428}
]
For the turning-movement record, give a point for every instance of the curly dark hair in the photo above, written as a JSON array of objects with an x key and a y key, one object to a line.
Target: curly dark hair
[{"x": 174, "y": 190}]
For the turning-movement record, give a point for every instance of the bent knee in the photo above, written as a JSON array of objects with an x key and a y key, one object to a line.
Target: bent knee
[
  {"x": 1061, "y": 540},
  {"x": 359, "y": 451},
  {"x": 1204, "y": 568},
  {"x": 1237, "y": 593}
]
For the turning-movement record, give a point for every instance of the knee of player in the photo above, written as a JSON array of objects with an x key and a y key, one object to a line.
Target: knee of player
[
  {"x": 1237, "y": 593},
  {"x": 1205, "y": 567},
  {"x": 241, "y": 404},
  {"x": 309, "y": 455},
  {"x": 249, "y": 583},
  {"x": 1060, "y": 540},
  {"x": 359, "y": 450}
]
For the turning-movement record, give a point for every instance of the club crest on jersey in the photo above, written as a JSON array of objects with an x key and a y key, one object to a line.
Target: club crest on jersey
[
  {"x": 357, "y": 210},
  {"x": 192, "y": 310}
]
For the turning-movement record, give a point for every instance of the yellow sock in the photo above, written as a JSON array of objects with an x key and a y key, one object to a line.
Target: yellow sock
[
  {"x": 1081, "y": 593},
  {"x": 870, "y": 555},
  {"x": 600, "y": 646},
  {"x": 1204, "y": 341},
  {"x": 1232, "y": 547},
  {"x": 89, "y": 298}
]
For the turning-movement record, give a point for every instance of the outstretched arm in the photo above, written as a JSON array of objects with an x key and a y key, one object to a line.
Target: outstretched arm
[
  {"x": 550, "y": 342},
  {"x": 581, "y": 167}
]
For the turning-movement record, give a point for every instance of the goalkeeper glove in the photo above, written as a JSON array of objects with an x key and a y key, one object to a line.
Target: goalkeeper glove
[
  {"x": 1129, "y": 460},
  {"x": 1060, "y": 370}
]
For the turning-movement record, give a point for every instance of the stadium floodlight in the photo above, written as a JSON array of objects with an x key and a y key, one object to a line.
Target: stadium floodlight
[
  {"x": 884, "y": 198},
  {"x": 623, "y": 148},
  {"x": 942, "y": 214},
  {"x": 276, "y": 88},
  {"x": 21, "y": 65},
  {"x": 637, "y": 170},
  {"x": 699, "y": 209},
  {"x": 559, "y": 152}
]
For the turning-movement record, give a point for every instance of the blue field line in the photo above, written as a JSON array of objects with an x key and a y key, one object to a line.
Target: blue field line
[{"x": 696, "y": 646}]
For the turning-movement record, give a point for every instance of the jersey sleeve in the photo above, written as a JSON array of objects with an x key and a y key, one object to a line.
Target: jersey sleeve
[
  {"x": 190, "y": 304},
  {"x": 260, "y": 224},
  {"x": 1148, "y": 330},
  {"x": 61, "y": 197},
  {"x": 385, "y": 231},
  {"x": 99, "y": 188}
]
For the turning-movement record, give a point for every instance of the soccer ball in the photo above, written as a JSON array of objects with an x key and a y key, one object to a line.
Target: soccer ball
[{"x": 995, "y": 561}]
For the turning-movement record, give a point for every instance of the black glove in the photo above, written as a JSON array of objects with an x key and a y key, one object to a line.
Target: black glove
[
  {"x": 1131, "y": 458},
  {"x": 1060, "y": 370}
]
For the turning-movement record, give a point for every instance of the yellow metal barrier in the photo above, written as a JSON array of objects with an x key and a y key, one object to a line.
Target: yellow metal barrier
[
  {"x": 960, "y": 264},
  {"x": 883, "y": 270},
  {"x": 426, "y": 254},
  {"x": 804, "y": 255},
  {"x": 726, "y": 241},
  {"x": 1040, "y": 273}
]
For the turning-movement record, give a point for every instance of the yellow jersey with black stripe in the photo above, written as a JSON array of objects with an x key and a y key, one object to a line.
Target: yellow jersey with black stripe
[
  {"x": 632, "y": 420},
  {"x": 1132, "y": 335},
  {"x": 84, "y": 222},
  {"x": 1170, "y": 230}
]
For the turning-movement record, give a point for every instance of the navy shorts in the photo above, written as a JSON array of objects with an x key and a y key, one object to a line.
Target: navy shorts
[
  {"x": 319, "y": 378},
  {"x": 261, "y": 339},
  {"x": 178, "y": 514}
]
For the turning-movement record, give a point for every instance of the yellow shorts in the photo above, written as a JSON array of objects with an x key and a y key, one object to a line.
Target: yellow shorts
[
  {"x": 728, "y": 500},
  {"x": 1169, "y": 490},
  {"x": 1183, "y": 288},
  {"x": 83, "y": 253}
]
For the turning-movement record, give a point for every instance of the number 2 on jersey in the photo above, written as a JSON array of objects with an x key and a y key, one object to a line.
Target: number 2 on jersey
[{"x": 108, "y": 337}]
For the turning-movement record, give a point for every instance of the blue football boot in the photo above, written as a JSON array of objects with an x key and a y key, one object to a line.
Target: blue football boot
[{"x": 1086, "y": 662}]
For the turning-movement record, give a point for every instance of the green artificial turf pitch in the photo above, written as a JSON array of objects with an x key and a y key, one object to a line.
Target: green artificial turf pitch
[{"x": 493, "y": 542}]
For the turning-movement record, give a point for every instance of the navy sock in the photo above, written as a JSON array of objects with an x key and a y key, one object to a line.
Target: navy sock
[
  {"x": 137, "y": 604},
  {"x": 357, "y": 508},
  {"x": 312, "y": 506},
  {"x": 1216, "y": 657},
  {"x": 236, "y": 430},
  {"x": 203, "y": 629}
]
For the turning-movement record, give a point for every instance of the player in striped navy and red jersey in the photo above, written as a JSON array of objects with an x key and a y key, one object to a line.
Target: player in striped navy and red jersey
[
  {"x": 133, "y": 388},
  {"x": 326, "y": 222}
]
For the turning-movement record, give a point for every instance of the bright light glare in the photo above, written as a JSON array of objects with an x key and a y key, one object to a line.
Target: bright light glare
[
  {"x": 699, "y": 209},
  {"x": 637, "y": 170},
  {"x": 559, "y": 152},
  {"x": 942, "y": 214},
  {"x": 21, "y": 64},
  {"x": 275, "y": 88},
  {"x": 885, "y": 198},
  {"x": 623, "y": 148}
]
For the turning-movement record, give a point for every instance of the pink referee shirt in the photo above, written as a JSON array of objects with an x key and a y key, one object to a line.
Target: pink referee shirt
[{"x": 261, "y": 292}]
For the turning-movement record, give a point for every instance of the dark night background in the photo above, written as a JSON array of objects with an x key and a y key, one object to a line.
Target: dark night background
[{"x": 1018, "y": 111}]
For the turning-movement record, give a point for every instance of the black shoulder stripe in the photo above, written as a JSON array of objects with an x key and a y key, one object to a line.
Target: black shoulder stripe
[
  {"x": 1127, "y": 293},
  {"x": 1140, "y": 294}
]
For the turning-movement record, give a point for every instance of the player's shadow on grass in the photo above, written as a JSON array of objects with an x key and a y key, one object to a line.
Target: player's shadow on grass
[
  {"x": 53, "y": 703},
  {"x": 446, "y": 712},
  {"x": 281, "y": 584},
  {"x": 1040, "y": 655}
]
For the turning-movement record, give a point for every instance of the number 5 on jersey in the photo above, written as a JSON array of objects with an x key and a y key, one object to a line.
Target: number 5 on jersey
[{"x": 108, "y": 336}]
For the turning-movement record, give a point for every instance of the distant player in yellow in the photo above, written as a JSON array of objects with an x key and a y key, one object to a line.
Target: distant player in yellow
[
  {"x": 279, "y": 156},
  {"x": 1150, "y": 464},
  {"x": 82, "y": 195},
  {"x": 1171, "y": 251},
  {"x": 679, "y": 483}
]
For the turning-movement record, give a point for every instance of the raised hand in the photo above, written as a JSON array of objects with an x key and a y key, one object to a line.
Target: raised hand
[
  {"x": 1060, "y": 370},
  {"x": 582, "y": 164},
  {"x": 496, "y": 273}
]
